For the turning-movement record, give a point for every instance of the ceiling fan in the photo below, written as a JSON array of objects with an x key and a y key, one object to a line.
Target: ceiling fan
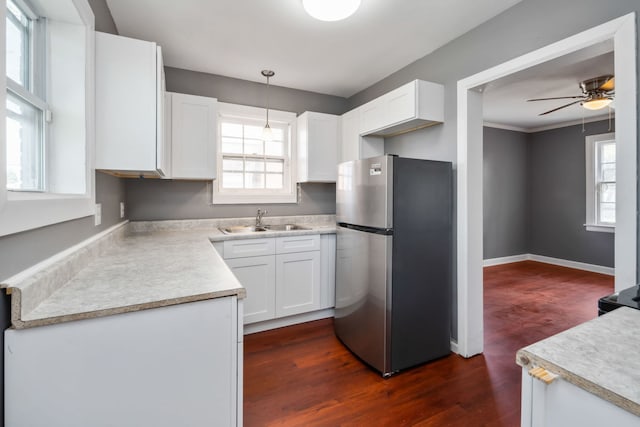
[{"x": 597, "y": 93}]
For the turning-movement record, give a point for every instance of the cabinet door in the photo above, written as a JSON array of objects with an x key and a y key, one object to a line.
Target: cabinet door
[
  {"x": 350, "y": 140},
  {"x": 126, "y": 107},
  {"x": 297, "y": 283},
  {"x": 328, "y": 271},
  {"x": 193, "y": 139},
  {"x": 257, "y": 275},
  {"x": 372, "y": 115},
  {"x": 400, "y": 104},
  {"x": 164, "y": 367},
  {"x": 317, "y": 147}
]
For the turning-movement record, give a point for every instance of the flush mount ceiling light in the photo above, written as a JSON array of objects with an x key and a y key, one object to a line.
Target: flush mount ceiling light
[
  {"x": 267, "y": 134},
  {"x": 331, "y": 10}
]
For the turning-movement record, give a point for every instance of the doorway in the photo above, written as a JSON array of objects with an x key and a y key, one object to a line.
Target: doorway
[{"x": 469, "y": 163}]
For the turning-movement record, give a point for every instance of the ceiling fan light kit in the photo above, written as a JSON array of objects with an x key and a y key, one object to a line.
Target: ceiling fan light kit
[
  {"x": 597, "y": 93},
  {"x": 331, "y": 10},
  {"x": 597, "y": 103}
]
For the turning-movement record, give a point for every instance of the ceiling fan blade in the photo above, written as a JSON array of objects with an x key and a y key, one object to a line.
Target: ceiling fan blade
[
  {"x": 560, "y": 108},
  {"x": 609, "y": 85},
  {"x": 558, "y": 97}
]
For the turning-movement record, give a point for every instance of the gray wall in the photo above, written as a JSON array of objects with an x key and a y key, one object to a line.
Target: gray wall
[
  {"x": 165, "y": 199},
  {"x": 104, "y": 20},
  {"x": 534, "y": 195},
  {"x": 506, "y": 193},
  {"x": 243, "y": 92},
  {"x": 160, "y": 200},
  {"x": 557, "y": 197}
]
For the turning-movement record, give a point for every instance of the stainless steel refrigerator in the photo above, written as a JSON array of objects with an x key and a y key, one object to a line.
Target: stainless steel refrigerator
[{"x": 394, "y": 260}]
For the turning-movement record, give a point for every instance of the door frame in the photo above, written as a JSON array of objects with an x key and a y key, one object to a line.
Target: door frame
[{"x": 469, "y": 168}]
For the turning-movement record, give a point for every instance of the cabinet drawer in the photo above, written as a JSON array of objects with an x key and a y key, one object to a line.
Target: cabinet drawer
[
  {"x": 248, "y": 247},
  {"x": 285, "y": 245}
]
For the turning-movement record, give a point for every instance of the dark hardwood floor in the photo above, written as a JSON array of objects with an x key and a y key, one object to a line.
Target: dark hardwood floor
[{"x": 303, "y": 376}]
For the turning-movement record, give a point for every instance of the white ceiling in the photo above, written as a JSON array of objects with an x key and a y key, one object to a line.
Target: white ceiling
[
  {"x": 239, "y": 38},
  {"x": 505, "y": 99}
]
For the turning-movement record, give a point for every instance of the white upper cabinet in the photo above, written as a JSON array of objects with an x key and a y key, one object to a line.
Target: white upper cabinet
[
  {"x": 415, "y": 105},
  {"x": 352, "y": 145},
  {"x": 193, "y": 136},
  {"x": 350, "y": 138},
  {"x": 129, "y": 106},
  {"x": 318, "y": 136}
]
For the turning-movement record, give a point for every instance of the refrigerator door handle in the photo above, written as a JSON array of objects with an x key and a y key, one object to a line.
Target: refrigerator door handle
[{"x": 363, "y": 228}]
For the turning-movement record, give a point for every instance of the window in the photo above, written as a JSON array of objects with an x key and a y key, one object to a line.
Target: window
[
  {"x": 25, "y": 98},
  {"x": 46, "y": 161},
  {"x": 253, "y": 170},
  {"x": 601, "y": 182}
]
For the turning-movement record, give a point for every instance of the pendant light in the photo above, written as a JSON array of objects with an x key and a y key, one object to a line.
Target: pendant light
[
  {"x": 331, "y": 10},
  {"x": 267, "y": 134}
]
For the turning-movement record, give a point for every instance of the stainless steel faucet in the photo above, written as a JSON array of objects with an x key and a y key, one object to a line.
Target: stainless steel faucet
[{"x": 259, "y": 216}]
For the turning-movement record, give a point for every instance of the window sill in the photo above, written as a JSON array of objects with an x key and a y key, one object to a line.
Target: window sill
[
  {"x": 25, "y": 211},
  {"x": 600, "y": 228},
  {"x": 17, "y": 195}
]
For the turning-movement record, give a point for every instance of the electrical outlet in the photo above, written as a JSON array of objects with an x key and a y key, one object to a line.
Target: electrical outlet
[
  {"x": 121, "y": 209},
  {"x": 98, "y": 215}
]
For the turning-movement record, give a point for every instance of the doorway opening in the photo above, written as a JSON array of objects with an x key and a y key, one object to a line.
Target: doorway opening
[{"x": 621, "y": 32}]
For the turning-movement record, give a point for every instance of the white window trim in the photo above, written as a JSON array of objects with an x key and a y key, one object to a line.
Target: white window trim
[
  {"x": 225, "y": 198},
  {"x": 591, "y": 223},
  {"x": 22, "y": 211}
]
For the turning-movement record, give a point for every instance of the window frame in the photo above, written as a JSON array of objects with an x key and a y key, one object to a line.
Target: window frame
[
  {"x": 255, "y": 196},
  {"x": 33, "y": 91},
  {"x": 592, "y": 168},
  {"x": 27, "y": 210}
]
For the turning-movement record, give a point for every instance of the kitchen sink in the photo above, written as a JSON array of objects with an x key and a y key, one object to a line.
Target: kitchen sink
[
  {"x": 285, "y": 227},
  {"x": 243, "y": 229},
  {"x": 237, "y": 229}
]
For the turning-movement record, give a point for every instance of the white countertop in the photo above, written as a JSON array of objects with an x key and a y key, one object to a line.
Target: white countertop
[
  {"x": 601, "y": 356},
  {"x": 145, "y": 270},
  {"x": 140, "y": 266}
]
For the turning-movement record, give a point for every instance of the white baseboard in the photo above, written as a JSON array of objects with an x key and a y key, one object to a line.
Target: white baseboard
[
  {"x": 505, "y": 260},
  {"x": 454, "y": 347},
  {"x": 549, "y": 260},
  {"x": 573, "y": 264},
  {"x": 287, "y": 321}
]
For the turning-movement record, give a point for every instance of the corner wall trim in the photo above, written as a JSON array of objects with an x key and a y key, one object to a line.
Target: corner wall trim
[
  {"x": 574, "y": 264},
  {"x": 505, "y": 260},
  {"x": 549, "y": 260}
]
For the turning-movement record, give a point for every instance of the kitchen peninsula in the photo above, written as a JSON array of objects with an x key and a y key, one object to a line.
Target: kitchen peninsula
[
  {"x": 151, "y": 319},
  {"x": 586, "y": 376}
]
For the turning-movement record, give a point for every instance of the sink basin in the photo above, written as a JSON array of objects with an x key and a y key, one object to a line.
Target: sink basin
[
  {"x": 239, "y": 229},
  {"x": 236, "y": 229},
  {"x": 285, "y": 227}
]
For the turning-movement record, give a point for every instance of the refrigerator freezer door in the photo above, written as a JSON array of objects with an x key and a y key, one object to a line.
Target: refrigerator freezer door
[
  {"x": 364, "y": 192},
  {"x": 363, "y": 285}
]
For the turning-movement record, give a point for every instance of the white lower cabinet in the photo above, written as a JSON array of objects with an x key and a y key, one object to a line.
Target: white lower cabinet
[
  {"x": 258, "y": 275},
  {"x": 297, "y": 283},
  {"x": 561, "y": 404},
  {"x": 179, "y": 365},
  {"x": 283, "y": 276}
]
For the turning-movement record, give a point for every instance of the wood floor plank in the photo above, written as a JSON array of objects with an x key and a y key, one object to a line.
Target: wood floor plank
[{"x": 303, "y": 376}]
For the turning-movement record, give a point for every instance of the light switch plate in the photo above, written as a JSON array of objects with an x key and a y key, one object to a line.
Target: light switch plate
[
  {"x": 121, "y": 209},
  {"x": 98, "y": 215}
]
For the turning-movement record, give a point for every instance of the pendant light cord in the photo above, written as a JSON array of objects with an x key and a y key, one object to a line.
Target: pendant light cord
[{"x": 268, "y": 101}]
